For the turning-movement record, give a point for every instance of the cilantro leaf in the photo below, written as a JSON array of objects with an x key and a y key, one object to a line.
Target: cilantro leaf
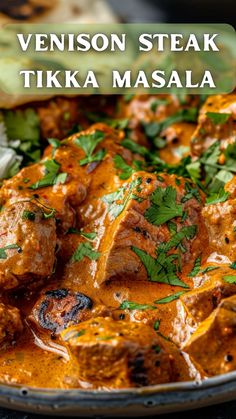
[
  {"x": 231, "y": 279},
  {"x": 22, "y": 125},
  {"x": 28, "y": 215},
  {"x": 89, "y": 236},
  {"x": 51, "y": 177},
  {"x": 163, "y": 206},
  {"x": 118, "y": 200},
  {"x": 152, "y": 129},
  {"x": 55, "y": 143},
  {"x": 208, "y": 269},
  {"x": 84, "y": 250},
  {"x": 162, "y": 269},
  {"x": 129, "y": 305},
  {"x": 126, "y": 170},
  {"x": 3, "y": 253},
  {"x": 88, "y": 143},
  {"x": 218, "y": 118},
  {"x": 196, "y": 267},
  {"x": 187, "y": 232},
  {"x": 215, "y": 198},
  {"x": 170, "y": 298}
]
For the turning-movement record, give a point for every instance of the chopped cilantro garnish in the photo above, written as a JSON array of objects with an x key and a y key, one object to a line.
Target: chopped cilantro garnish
[
  {"x": 89, "y": 236},
  {"x": 118, "y": 200},
  {"x": 196, "y": 267},
  {"x": 218, "y": 118},
  {"x": 84, "y": 250},
  {"x": 3, "y": 253},
  {"x": 233, "y": 265},
  {"x": 215, "y": 198},
  {"x": 28, "y": 215},
  {"x": 169, "y": 298},
  {"x": 156, "y": 325},
  {"x": 51, "y": 177},
  {"x": 187, "y": 232},
  {"x": 55, "y": 145},
  {"x": 163, "y": 206},
  {"x": 129, "y": 305},
  {"x": 208, "y": 269},
  {"x": 152, "y": 129},
  {"x": 158, "y": 102},
  {"x": 231, "y": 279},
  {"x": 126, "y": 170},
  {"x": 88, "y": 143}
]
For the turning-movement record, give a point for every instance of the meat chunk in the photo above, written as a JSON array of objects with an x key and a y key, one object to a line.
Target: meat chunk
[
  {"x": 27, "y": 244},
  {"x": 177, "y": 138},
  {"x": 10, "y": 323},
  {"x": 220, "y": 221},
  {"x": 118, "y": 354},
  {"x": 213, "y": 345},
  {"x": 139, "y": 229},
  {"x": 59, "y": 308},
  {"x": 68, "y": 177},
  {"x": 196, "y": 305},
  {"x": 217, "y": 121},
  {"x": 201, "y": 301}
]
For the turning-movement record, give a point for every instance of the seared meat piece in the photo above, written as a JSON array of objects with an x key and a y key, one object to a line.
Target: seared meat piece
[
  {"x": 58, "y": 116},
  {"x": 195, "y": 306},
  {"x": 177, "y": 138},
  {"x": 59, "y": 308},
  {"x": 201, "y": 301},
  {"x": 27, "y": 244},
  {"x": 10, "y": 323},
  {"x": 138, "y": 221},
  {"x": 118, "y": 354},
  {"x": 220, "y": 220},
  {"x": 213, "y": 345},
  {"x": 217, "y": 121},
  {"x": 153, "y": 109},
  {"x": 65, "y": 193}
]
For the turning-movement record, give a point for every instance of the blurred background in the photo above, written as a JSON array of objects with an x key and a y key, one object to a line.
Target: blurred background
[{"x": 173, "y": 11}]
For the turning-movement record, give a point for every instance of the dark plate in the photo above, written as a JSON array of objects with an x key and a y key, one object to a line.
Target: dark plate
[{"x": 133, "y": 402}]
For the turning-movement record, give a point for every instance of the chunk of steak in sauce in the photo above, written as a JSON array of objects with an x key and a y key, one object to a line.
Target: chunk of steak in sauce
[
  {"x": 138, "y": 228},
  {"x": 217, "y": 121},
  {"x": 27, "y": 244},
  {"x": 220, "y": 220},
  {"x": 213, "y": 345},
  {"x": 196, "y": 305},
  {"x": 10, "y": 323},
  {"x": 66, "y": 196},
  {"x": 59, "y": 308},
  {"x": 118, "y": 354},
  {"x": 143, "y": 110}
]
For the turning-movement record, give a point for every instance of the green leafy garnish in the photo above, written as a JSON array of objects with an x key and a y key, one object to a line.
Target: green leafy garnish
[
  {"x": 118, "y": 200},
  {"x": 163, "y": 206},
  {"x": 187, "y": 232},
  {"x": 152, "y": 129},
  {"x": 90, "y": 236},
  {"x": 158, "y": 102},
  {"x": 233, "y": 265},
  {"x": 55, "y": 143},
  {"x": 196, "y": 267},
  {"x": 88, "y": 143},
  {"x": 231, "y": 279},
  {"x": 28, "y": 215},
  {"x": 84, "y": 250},
  {"x": 218, "y": 118},
  {"x": 215, "y": 198},
  {"x": 49, "y": 214},
  {"x": 51, "y": 177},
  {"x": 169, "y": 298},
  {"x": 3, "y": 253},
  {"x": 208, "y": 269},
  {"x": 126, "y": 170},
  {"x": 129, "y": 305},
  {"x": 156, "y": 325}
]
